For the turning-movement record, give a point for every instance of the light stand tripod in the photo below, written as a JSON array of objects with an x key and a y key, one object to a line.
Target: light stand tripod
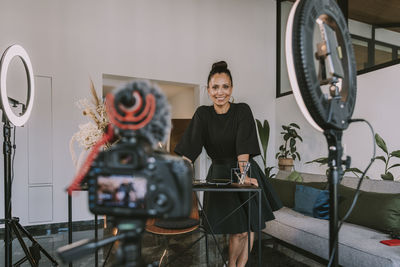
[
  {"x": 12, "y": 223},
  {"x": 334, "y": 139},
  {"x": 328, "y": 112}
]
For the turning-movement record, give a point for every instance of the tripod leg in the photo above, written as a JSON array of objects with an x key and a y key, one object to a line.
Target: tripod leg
[
  {"x": 28, "y": 254},
  {"x": 28, "y": 235}
]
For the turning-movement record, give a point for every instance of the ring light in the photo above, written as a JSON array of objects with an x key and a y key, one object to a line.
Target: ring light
[
  {"x": 322, "y": 73},
  {"x": 321, "y": 19},
  {"x": 9, "y": 54}
]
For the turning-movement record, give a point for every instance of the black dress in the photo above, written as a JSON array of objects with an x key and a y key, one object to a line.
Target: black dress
[{"x": 225, "y": 136}]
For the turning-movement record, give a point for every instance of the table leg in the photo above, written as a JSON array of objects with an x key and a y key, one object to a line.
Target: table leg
[
  {"x": 70, "y": 221},
  {"x": 96, "y": 255},
  {"x": 248, "y": 230},
  {"x": 259, "y": 229}
]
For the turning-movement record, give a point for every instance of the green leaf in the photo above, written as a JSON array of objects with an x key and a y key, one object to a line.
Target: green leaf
[
  {"x": 268, "y": 173},
  {"x": 301, "y": 139},
  {"x": 294, "y": 156},
  {"x": 298, "y": 155},
  {"x": 394, "y": 165},
  {"x": 281, "y": 147},
  {"x": 285, "y": 127},
  {"x": 292, "y": 142},
  {"x": 387, "y": 176},
  {"x": 381, "y": 143},
  {"x": 264, "y": 160},
  {"x": 321, "y": 161},
  {"x": 286, "y": 137},
  {"x": 354, "y": 170},
  {"x": 295, "y": 125},
  {"x": 277, "y": 155},
  {"x": 395, "y": 153},
  {"x": 381, "y": 158}
]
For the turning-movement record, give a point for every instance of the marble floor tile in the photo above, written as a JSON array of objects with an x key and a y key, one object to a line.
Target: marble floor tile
[{"x": 154, "y": 248}]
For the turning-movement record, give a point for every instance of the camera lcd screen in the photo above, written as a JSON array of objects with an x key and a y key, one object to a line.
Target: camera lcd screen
[{"x": 121, "y": 191}]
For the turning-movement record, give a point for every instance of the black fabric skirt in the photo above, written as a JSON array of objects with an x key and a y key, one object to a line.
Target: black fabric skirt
[{"x": 217, "y": 205}]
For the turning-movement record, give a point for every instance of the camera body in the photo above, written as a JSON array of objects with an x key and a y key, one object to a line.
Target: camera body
[{"x": 131, "y": 180}]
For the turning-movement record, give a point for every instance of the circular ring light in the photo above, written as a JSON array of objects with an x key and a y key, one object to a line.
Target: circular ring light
[
  {"x": 321, "y": 19},
  {"x": 9, "y": 54}
]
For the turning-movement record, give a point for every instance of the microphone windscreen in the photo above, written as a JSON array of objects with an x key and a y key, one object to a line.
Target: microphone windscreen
[{"x": 159, "y": 127}]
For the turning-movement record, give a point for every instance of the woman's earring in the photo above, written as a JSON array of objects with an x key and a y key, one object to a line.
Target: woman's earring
[{"x": 233, "y": 100}]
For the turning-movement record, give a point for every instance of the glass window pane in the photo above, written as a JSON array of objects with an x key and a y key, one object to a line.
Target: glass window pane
[
  {"x": 360, "y": 53},
  {"x": 382, "y": 54}
]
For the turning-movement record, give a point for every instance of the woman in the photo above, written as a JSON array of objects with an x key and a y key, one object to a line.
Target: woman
[{"x": 227, "y": 131}]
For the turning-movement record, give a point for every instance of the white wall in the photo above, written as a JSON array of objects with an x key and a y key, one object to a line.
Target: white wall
[
  {"x": 182, "y": 103},
  {"x": 174, "y": 40},
  {"x": 377, "y": 101}
]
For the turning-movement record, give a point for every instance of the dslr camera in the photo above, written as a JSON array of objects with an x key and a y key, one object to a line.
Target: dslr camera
[{"x": 130, "y": 180}]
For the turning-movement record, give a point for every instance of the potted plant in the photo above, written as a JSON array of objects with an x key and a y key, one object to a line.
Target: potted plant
[
  {"x": 288, "y": 150},
  {"x": 263, "y": 134},
  {"x": 382, "y": 145}
]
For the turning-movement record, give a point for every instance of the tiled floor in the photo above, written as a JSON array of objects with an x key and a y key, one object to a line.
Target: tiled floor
[{"x": 153, "y": 248}]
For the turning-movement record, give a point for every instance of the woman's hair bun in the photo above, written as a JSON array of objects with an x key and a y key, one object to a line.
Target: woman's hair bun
[{"x": 220, "y": 65}]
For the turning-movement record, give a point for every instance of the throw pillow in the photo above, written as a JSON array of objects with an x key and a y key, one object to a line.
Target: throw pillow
[
  {"x": 374, "y": 210},
  {"x": 305, "y": 198},
  {"x": 321, "y": 205},
  {"x": 286, "y": 189},
  {"x": 295, "y": 177}
]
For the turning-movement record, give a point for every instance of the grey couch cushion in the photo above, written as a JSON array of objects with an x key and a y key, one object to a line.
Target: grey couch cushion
[{"x": 358, "y": 246}]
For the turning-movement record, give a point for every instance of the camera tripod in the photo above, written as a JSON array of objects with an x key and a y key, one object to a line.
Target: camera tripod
[
  {"x": 129, "y": 250},
  {"x": 12, "y": 223}
]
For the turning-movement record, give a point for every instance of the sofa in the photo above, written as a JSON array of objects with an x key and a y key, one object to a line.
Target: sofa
[{"x": 359, "y": 245}]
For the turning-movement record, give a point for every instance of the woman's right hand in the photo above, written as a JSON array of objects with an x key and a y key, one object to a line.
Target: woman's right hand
[{"x": 251, "y": 181}]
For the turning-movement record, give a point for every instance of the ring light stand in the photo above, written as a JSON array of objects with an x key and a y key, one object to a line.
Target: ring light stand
[
  {"x": 323, "y": 80},
  {"x": 32, "y": 254}
]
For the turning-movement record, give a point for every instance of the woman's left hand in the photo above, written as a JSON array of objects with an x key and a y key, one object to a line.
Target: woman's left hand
[{"x": 251, "y": 181}]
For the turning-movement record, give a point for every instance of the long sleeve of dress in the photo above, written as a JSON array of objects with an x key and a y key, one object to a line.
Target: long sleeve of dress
[
  {"x": 192, "y": 141},
  {"x": 246, "y": 138}
]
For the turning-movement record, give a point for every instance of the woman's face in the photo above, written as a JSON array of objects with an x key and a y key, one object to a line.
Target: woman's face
[{"x": 220, "y": 89}]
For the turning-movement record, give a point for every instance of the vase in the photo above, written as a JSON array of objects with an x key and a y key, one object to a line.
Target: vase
[{"x": 285, "y": 164}]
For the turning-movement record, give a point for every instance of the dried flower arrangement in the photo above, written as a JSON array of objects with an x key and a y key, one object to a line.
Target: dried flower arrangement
[{"x": 90, "y": 132}]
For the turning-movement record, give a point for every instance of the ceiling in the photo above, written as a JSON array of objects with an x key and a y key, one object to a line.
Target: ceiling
[{"x": 376, "y": 12}]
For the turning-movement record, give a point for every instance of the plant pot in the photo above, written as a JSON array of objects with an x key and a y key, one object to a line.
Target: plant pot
[{"x": 285, "y": 164}]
